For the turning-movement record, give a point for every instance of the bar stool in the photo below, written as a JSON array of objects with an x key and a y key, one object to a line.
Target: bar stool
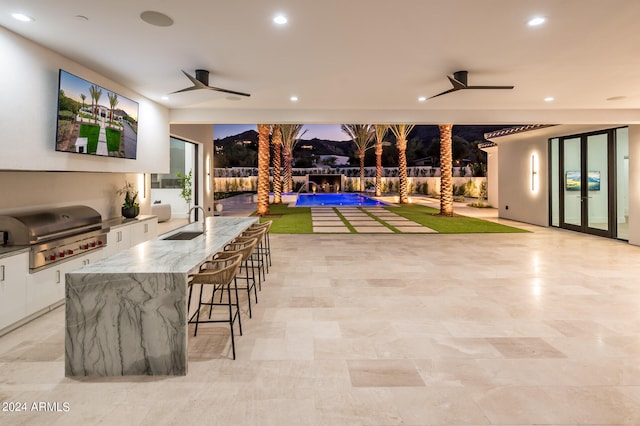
[
  {"x": 259, "y": 254},
  {"x": 266, "y": 247},
  {"x": 220, "y": 274},
  {"x": 245, "y": 248}
]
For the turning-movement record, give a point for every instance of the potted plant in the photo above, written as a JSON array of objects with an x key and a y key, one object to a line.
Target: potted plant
[
  {"x": 130, "y": 206},
  {"x": 185, "y": 186}
]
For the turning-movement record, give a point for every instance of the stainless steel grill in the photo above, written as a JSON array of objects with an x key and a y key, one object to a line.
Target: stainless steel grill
[{"x": 54, "y": 234}]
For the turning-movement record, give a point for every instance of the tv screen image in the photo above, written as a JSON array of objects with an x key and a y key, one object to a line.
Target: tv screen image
[
  {"x": 93, "y": 120},
  {"x": 573, "y": 181}
]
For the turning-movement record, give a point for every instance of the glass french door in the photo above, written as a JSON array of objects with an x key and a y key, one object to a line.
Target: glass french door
[{"x": 586, "y": 183}]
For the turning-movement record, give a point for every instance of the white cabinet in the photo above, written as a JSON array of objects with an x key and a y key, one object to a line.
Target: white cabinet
[
  {"x": 143, "y": 231},
  {"x": 13, "y": 301},
  {"x": 130, "y": 234}
]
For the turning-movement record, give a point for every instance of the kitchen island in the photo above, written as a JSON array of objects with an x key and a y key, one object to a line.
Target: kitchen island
[{"x": 127, "y": 314}]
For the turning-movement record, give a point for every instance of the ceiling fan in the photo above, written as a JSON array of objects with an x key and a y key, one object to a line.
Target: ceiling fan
[
  {"x": 459, "y": 82},
  {"x": 201, "y": 81}
]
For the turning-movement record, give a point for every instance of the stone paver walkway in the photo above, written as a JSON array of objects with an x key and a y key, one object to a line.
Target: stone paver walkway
[{"x": 363, "y": 220}]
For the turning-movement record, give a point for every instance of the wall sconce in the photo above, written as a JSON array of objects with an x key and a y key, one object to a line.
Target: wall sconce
[
  {"x": 534, "y": 173},
  {"x": 208, "y": 175},
  {"x": 142, "y": 183}
]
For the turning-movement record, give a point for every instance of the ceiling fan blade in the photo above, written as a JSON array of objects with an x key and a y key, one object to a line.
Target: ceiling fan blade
[
  {"x": 444, "y": 93},
  {"x": 490, "y": 87},
  {"x": 186, "y": 89},
  {"x": 218, "y": 89},
  {"x": 197, "y": 83}
]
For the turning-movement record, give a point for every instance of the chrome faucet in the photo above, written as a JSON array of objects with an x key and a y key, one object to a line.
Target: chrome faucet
[{"x": 204, "y": 217}]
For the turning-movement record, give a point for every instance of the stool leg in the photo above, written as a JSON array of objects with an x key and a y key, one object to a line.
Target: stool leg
[{"x": 233, "y": 343}]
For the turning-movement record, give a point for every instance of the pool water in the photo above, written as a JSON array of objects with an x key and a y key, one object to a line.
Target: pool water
[{"x": 332, "y": 200}]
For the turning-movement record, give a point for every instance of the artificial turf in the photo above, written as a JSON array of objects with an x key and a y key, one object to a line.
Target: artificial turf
[{"x": 297, "y": 220}]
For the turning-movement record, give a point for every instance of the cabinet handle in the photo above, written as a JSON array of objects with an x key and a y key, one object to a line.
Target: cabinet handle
[
  {"x": 58, "y": 276},
  {"x": 119, "y": 236},
  {"x": 1, "y": 272},
  {"x": 146, "y": 228}
]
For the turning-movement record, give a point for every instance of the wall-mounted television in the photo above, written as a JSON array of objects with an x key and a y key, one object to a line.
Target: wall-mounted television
[{"x": 93, "y": 120}]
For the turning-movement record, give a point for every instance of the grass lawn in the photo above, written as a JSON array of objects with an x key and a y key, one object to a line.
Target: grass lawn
[
  {"x": 297, "y": 220},
  {"x": 91, "y": 132},
  {"x": 429, "y": 217},
  {"x": 113, "y": 140},
  {"x": 294, "y": 220}
]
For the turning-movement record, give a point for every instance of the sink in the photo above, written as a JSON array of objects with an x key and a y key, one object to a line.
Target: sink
[{"x": 185, "y": 235}]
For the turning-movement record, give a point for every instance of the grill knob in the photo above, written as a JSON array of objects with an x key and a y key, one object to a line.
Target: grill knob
[
  {"x": 93, "y": 244},
  {"x": 86, "y": 246},
  {"x": 70, "y": 251},
  {"x": 99, "y": 242},
  {"x": 52, "y": 257},
  {"x": 61, "y": 254}
]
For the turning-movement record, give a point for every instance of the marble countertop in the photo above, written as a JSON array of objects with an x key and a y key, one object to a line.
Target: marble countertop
[{"x": 172, "y": 256}]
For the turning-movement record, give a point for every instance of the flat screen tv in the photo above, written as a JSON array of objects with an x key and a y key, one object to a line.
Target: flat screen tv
[{"x": 93, "y": 120}]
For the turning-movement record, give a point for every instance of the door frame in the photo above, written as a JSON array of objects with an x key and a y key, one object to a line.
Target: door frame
[{"x": 611, "y": 230}]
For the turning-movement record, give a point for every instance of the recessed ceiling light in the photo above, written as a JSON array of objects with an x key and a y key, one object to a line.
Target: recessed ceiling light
[
  {"x": 157, "y": 19},
  {"x": 537, "y": 20},
  {"x": 280, "y": 19},
  {"x": 549, "y": 99},
  {"x": 22, "y": 17},
  {"x": 422, "y": 98},
  {"x": 165, "y": 98},
  {"x": 293, "y": 99}
]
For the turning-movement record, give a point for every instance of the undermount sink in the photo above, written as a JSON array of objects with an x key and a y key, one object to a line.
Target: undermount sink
[{"x": 185, "y": 235}]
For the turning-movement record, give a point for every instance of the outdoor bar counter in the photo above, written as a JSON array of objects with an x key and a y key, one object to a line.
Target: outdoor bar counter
[{"x": 127, "y": 314}]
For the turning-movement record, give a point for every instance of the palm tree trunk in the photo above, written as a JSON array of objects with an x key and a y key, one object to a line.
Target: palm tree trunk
[
  {"x": 277, "y": 179},
  {"x": 446, "y": 170},
  {"x": 288, "y": 172},
  {"x": 361, "y": 155},
  {"x": 378, "y": 169},
  {"x": 402, "y": 172},
  {"x": 263, "y": 169}
]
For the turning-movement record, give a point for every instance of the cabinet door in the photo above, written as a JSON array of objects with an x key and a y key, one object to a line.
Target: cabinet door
[
  {"x": 45, "y": 288},
  {"x": 13, "y": 288},
  {"x": 118, "y": 239},
  {"x": 143, "y": 231}
]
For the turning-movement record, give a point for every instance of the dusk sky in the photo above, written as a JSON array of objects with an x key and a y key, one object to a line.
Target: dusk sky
[{"x": 320, "y": 131}]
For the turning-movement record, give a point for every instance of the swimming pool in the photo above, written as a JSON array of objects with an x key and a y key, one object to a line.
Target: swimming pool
[{"x": 329, "y": 200}]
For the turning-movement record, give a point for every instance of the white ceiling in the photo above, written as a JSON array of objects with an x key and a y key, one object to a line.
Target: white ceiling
[{"x": 363, "y": 60}]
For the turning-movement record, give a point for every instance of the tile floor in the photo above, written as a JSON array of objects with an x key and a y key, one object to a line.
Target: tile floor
[{"x": 539, "y": 328}]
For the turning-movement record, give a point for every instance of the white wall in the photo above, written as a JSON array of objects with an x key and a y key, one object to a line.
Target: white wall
[
  {"x": 28, "y": 111},
  {"x": 493, "y": 184},
  {"x": 517, "y": 201}
]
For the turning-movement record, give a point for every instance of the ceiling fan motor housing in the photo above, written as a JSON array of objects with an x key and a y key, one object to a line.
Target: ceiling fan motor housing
[
  {"x": 461, "y": 76},
  {"x": 202, "y": 76}
]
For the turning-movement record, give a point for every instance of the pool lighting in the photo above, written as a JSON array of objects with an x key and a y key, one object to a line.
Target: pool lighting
[
  {"x": 536, "y": 21},
  {"x": 22, "y": 17},
  {"x": 280, "y": 19}
]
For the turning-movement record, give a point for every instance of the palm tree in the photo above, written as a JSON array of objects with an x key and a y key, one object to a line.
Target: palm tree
[
  {"x": 362, "y": 137},
  {"x": 95, "y": 93},
  {"x": 276, "y": 140},
  {"x": 290, "y": 137},
  {"x": 381, "y": 130},
  {"x": 263, "y": 169},
  {"x": 446, "y": 167},
  {"x": 401, "y": 132},
  {"x": 113, "y": 101},
  {"x": 83, "y": 97}
]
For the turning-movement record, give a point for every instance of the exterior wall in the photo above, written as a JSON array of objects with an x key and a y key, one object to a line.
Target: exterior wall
[
  {"x": 493, "y": 184},
  {"x": 517, "y": 201}
]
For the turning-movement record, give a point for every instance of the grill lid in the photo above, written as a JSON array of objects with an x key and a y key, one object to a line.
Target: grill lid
[{"x": 44, "y": 225}]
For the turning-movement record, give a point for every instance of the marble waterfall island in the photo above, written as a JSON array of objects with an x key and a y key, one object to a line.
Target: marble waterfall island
[{"x": 127, "y": 314}]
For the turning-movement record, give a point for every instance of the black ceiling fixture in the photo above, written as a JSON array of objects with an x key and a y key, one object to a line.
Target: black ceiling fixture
[
  {"x": 459, "y": 82},
  {"x": 201, "y": 81}
]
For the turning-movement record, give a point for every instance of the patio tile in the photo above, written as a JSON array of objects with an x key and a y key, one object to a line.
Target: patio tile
[
  {"x": 373, "y": 229},
  {"x": 414, "y": 229},
  {"x": 327, "y": 223},
  {"x": 365, "y": 223},
  {"x": 342, "y": 229}
]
